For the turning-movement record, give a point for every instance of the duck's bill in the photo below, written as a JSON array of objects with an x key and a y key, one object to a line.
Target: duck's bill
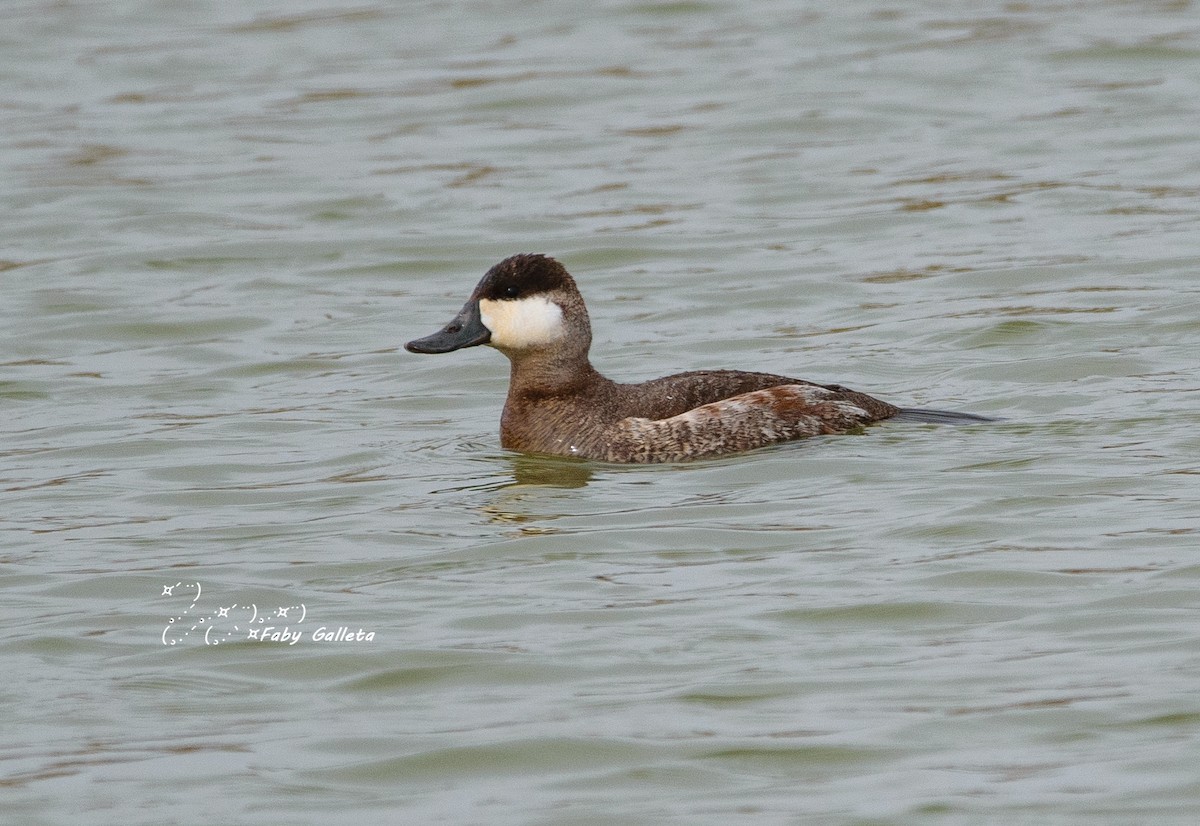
[{"x": 464, "y": 330}]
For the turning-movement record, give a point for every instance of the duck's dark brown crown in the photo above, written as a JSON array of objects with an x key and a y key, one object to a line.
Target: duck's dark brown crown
[{"x": 521, "y": 275}]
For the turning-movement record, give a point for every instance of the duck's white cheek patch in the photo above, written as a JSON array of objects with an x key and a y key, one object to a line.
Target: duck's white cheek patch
[{"x": 523, "y": 323}]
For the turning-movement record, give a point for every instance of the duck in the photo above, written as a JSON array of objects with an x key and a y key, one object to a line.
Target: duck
[{"x": 529, "y": 308}]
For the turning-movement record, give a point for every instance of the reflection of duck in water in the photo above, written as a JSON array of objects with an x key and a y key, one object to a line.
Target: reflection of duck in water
[
  {"x": 530, "y": 470},
  {"x": 529, "y": 308}
]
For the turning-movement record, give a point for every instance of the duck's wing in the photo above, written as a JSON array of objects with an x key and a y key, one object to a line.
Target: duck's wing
[{"x": 743, "y": 422}]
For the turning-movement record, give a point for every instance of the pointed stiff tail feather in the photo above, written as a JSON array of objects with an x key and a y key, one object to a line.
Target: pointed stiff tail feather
[{"x": 913, "y": 414}]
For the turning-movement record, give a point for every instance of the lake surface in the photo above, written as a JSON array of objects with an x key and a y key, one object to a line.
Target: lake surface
[{"x": 260, "y": 565}]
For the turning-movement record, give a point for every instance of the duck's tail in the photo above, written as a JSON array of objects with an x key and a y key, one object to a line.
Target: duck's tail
[{"x": 913, "y": 414}]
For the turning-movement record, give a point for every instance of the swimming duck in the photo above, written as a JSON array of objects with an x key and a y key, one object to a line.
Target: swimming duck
[{"x": 529, "y": 309}]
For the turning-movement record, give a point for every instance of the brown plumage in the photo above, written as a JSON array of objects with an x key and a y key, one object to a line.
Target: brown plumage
[{"x": 529, "y": 308}]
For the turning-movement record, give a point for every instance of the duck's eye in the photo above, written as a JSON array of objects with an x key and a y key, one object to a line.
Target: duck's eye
[{"x": 511, "y": 292}]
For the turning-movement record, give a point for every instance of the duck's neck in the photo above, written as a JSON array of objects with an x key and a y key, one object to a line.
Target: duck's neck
[{"x": 537, "y": 374}]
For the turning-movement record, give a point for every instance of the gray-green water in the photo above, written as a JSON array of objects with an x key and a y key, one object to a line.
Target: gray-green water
[{"x": 221, "y": 221}]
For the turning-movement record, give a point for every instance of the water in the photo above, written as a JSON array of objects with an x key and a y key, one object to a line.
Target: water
[{"x": 221, "y": 221}]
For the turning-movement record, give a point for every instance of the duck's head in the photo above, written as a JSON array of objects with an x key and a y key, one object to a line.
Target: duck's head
[{"x": 525, "y": 304}]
